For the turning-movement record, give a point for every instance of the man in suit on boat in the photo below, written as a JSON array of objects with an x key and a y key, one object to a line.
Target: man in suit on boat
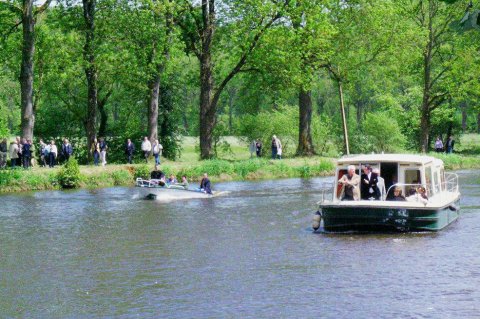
[
  {"x": 205, "y": 185},
  {"x": 369, "y": 188},
  {"x": 350, "y": 185}
]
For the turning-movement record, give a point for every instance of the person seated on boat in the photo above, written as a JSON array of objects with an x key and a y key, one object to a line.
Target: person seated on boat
[
  {"x": 380, "y": 184},
  {"x": 413, "y": 196},
  {"x": 397, "y": 194},
  {"x": 172, "y": 179},
  {"x": 350, "y": 185},
  {"x": 369, "y": 188},
  {"x": 184, "y": 182},
  {"x": 205, "y": 185},
  {"x": 423, "y": 192},
  {"x": 157, "y": 176}
]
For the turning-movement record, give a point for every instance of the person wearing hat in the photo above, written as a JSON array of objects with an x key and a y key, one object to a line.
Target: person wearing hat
[{"x": 369, "y": 180}]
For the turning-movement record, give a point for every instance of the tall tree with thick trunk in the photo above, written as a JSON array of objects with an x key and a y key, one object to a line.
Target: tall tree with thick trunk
[
  {"x": 27, "y": 15},
  {"x": 89, "y": 10},
  {"x": 200, "y": 34},
  {"x": 434, "y": 19}
]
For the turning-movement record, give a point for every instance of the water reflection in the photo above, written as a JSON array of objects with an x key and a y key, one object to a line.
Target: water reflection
[{"x": 250, "y": 254}]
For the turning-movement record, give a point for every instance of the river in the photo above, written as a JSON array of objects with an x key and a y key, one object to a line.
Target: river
[{"x": 249, "y": 254}]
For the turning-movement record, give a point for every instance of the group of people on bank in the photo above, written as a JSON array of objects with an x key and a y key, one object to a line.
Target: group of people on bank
[
  {"x": 21, "y": 152},
  {"x": 276, "y": 146},
  {"x": 368, "y": 186},
  {"x": 447, "y": 148}
]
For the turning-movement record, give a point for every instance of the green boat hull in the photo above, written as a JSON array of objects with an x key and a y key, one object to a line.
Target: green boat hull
[{"x": 337, "y": 218}]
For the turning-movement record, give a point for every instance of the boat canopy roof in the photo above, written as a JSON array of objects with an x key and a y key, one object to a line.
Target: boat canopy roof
[{"x": 389, "y": 158}]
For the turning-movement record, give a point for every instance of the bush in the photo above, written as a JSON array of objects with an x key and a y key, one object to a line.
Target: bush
[
  {"x": 122, "y": 177},
  {"x": 69, "y": 175},
  {"x": 142, "y": 171}
]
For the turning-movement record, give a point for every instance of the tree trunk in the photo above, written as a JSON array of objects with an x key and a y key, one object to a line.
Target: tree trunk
[
  {"x": 153, "y": 107},
  {"x": 305, "y": 144},
  {"x": 425, "y": 108},
  {"x": 102, "y": 130},
  {"x": 207, "y": 110},
  {"x": 26, "y": 71},
  {"x": 207, "y": 105},
  {"x": 464, "y": 116},
  {"x": 344, "y": 120},
  {"x": 90, "y": 70},
  {"x": 478, "y": 123}
]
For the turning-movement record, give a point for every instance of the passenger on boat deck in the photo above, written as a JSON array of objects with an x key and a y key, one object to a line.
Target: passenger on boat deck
[
  {"x": 157, "y": 174},
  {"x": 397, "y": 195},
  {"x": 350, "y": 185},
  {"x": 205, "y": 185},
  {"x": 172, "y": 179},
  {"x": 413, "y": 196},
  {"x": 369, "y": 188},
  {"x": 184, "y": 182},
  {"x": 380, "y": 184},
  {"x": 422, "y": 191}
]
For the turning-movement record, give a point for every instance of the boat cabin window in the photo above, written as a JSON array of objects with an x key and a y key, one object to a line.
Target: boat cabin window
[
  {"x": 429, "y": 180},
  {"x": 442, "y": 180},
  {"x": 412, "y": 176}
]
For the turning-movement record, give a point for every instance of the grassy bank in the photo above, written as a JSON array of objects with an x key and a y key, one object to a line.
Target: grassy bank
[
  {"x": 234, "y": 165},
  {"x": 125, "y": 175}
]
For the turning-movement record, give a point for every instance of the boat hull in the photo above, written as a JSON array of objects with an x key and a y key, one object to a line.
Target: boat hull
[{"x": 337, "y": 218}]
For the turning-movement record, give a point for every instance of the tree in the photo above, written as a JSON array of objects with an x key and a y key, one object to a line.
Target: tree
[
  {"x": 28, "y": 16},
  {"x": 253, "y": 19}
]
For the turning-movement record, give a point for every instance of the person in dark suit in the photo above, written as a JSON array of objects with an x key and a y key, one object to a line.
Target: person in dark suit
[
  {"x": 129, "y": 150},
  {"x": 67, "y": 150},
  {"x": 369, "y": 180},
  {"x": 205, "y": 185}
]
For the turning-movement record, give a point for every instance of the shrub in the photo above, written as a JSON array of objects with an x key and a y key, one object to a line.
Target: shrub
[
  {"x": 122, "y": 177},
  {"x": 142, "y": 171},
  {"x": 69, "y": 175}
]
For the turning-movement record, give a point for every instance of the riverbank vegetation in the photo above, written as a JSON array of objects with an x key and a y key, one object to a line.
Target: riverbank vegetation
[
  {"x": 394, "y": 74},
  {"x": 232, "y": 165}
]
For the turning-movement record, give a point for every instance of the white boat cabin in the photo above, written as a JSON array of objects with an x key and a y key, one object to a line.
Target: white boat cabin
[{"x": 403, "y": 170}]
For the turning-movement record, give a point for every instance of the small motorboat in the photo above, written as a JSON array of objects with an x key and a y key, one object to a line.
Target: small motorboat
[
  {"x": 159, "y": 190},
  {"x": 402, "y": 173}
]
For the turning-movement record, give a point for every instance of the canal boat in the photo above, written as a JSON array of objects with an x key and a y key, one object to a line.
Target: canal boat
[
  {"x": 157, "y": 189},
  {"x": 404, "y": 173}
]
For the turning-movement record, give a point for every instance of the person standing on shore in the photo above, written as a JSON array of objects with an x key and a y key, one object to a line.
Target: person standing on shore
[
  {"x": 103, "y": 151},
  {"x": 438, "y": 145},
  {"x": 146, "y": 148},
  {"x": 95, "y": 151},
  {"x": 258, "y": 148},
  {"x": 52, "y": 154},
  {"x": 19, "y": 151},
  {"x": 67, "y": 150},
  {"x": 3, "y": 153},
  {"x": 450, "y": 143},
  {"x": 129, "y": 150},
  {"x": 13, "y": 153},
  {"x": 276, "y": 148},
  {"x": 157, "y": 149},
  {"x": 43, "y": 155},
  {"x": 27, "y": 153}
]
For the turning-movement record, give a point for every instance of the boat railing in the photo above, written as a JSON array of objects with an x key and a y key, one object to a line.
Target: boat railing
[
  {"x": 326, "y": 192},
  {"x": 145, "y": 182},
  {"x": 451, "y": 182}
]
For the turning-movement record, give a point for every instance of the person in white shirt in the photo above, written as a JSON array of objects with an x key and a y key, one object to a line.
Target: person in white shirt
[
  {"x": 52, "y": 154},
  {"x": 146, "y": 148},
  {"x": 157, "y": 149}
]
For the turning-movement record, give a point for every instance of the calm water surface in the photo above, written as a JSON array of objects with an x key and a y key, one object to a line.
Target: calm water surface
[{"x": 250, "y": 254}]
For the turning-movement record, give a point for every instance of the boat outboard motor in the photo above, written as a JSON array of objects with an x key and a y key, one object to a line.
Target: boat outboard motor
[
  {"x": 151, "y": 196},
  {"x": 316, "y": 220}
]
